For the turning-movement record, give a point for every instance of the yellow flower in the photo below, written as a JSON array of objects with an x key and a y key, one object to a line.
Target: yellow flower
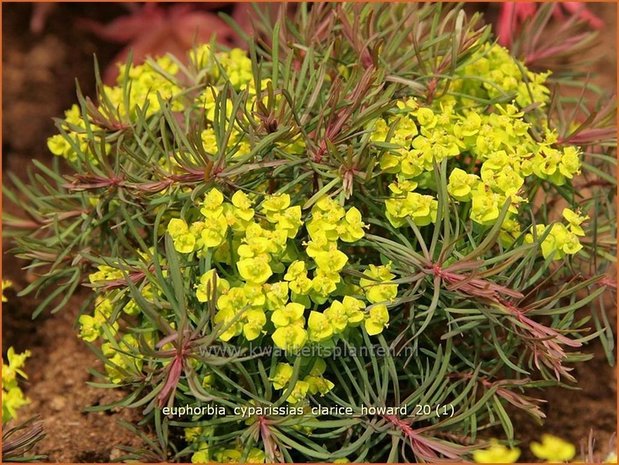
[
  {"x": 256, "y": 456},
  {"x": 378, "y": 287},
  {"x": 326, "y": 215},
  {"x": 295, "y": 269},
  {"x": 510, "y": 230},
  {"x": 426, "y": 118},
  {"x": 338, "y": 318},
  {"x": 213, "y": 233},
  {"x": 461, "y": 184},
  {"x": 122, "y": 361},
  {"x": 377, "y": 319},
  {"x": 254, "y": 320},
  {"x": 379, "y": 130},
  {"x": 320, "y": 329},
  {"x": 422, "y": 209},
  {"x": 297, "y": 276},
  {"x": 496, "y": 453},
  {"x": 298, "y": 393},
  {"x": 212, "y": 205},
  {"x": 237, "y": 66},
  {"x": 204, "y": 290},
  {"x": 177, "y": 227},
  {"x": 281, "y": 375},
  {"x": 201, "y": 456},
  {"x": 254, "y": 295},
  {"x": 243, "y": 206},
  {"x": 469, "y": 125},
  {"x": 209, "y": 139},
  {"x": 255, "y": 270},
  {"x": 291, "y": 314},
  {"x": 228, "y": 456},
  {"x": 403, "y": 186},
  {"x": 91, "y": 327},
  {"x": 229, "y": 321},
  {"x": 323, "y": 285},
  {"x": 390, "y": 162},
  {"x": 273, "y": 204},
  {"x": 12, "y": 400},
  {"x": 290, "y": 338},
  {"x": 570, "y": 162},
  {"x": 5, "y": 285},
  {"x": 351, "y": 227},
  {"x": 332, "y": 261},
  {"x": 353, "y": 308},
  {"x": 185, "y": 243},
  {"x": 485, "y": 208},
  {"x": 553, "y": 449},
  {"x": 575, "y": 220},
  {"x": 318, "y": 385},
  {"x": 345, "y": 313},
  {"x": 558, "y": 242},
  {"x": 59, "y": 146},
  {"x": 405, "y": 131},
  {"x": 276, "y": 295},
  {"x": 14, "y": 367}
]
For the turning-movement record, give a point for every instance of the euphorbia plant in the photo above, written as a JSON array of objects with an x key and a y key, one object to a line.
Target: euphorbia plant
[{"x": 372, "y": 211}]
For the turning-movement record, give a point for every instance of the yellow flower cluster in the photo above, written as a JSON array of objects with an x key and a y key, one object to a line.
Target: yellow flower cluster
[
  {"x": 121, "y": 350},
  {"x": 496, "y": 453},
  {"x": 91, "y": 326},
  {"x": 552, "y": 449},
  {"x": 141, "y": 88},
  {"x": 495, "y": 141},
  {"x": 76, "y": 138},
  {"x": 259, "y": 243},
  {"x": 560, "y": 239},
  {"x": 491, "y": 72},
  {"x": 124, "y": 361},
  {"x": 13, "y": 397},
  {"x": 5, "y": 285},
  {"x": 149, "y": 82},
  {"x": 314, "y": 383},
  {"x": 198, "y": 436},
  {"x": 275, "y": 285},
  {"x": 230, "y": 456}
]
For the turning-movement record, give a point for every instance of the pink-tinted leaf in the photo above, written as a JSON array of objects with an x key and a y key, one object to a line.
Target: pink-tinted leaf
[{"x": 153, "y": 30}]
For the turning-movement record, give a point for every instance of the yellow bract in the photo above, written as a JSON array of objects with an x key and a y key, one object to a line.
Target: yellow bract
[
  {"x": 320, "y": 329},
  {"x": 281, "y": 376},
  {"x": 377, "y": 319},
  {"x": 558, "y": 240},
  {"x": 12, "y": 396},
  {"x": 496, "y": 453},
  {"x": 5, "y": 285},
  {"x": 378, "y": 288},
  {"x": 553, "y": 449},
  {"x": 290, "y": 338}
]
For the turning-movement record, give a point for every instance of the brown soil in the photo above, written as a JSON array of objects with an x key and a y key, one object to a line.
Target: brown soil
[{"x": 38, "y": 84}]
